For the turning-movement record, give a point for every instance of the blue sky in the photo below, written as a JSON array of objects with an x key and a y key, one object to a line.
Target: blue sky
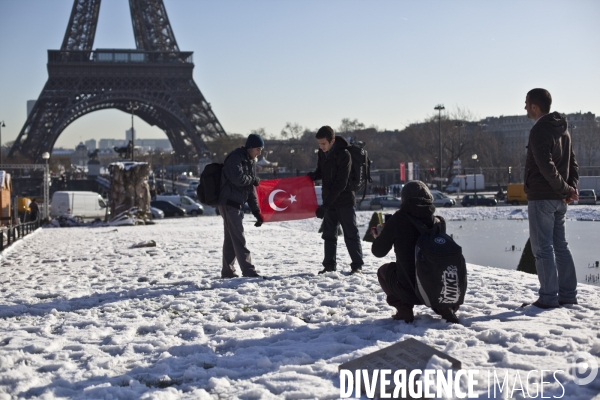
[{"x": 386, "y": 63}]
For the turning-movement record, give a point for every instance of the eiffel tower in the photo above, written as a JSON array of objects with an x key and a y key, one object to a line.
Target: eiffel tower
[{"x": 156, "y": 76}]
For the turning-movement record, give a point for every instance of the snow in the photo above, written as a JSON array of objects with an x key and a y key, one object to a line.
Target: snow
[{"x": 85, "y": 315}]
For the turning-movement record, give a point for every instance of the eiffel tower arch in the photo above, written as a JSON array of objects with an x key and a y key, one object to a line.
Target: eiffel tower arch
[{"x": 156, "y": 75}]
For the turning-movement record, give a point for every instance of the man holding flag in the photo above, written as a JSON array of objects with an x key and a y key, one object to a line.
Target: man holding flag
[
  {"x": 237, "y": 186},
  {"x": 333, "y": 168}
]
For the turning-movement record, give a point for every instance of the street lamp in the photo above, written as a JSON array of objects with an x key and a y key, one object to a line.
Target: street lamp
[
  {"x": 132, "y": 106},
  {"x": 46, "y": 156},
  {"x": 474, "y": 158},
  {"x": 2, "y": 125},
  {"x": 440, "y": 107},
  {"x": 173, "y": 172},
  {"x": 292, "y": 153},
  {"x": 458, "y": 126}
]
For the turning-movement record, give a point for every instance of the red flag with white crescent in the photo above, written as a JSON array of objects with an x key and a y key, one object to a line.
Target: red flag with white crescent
[{"x": 287, "y": 199}]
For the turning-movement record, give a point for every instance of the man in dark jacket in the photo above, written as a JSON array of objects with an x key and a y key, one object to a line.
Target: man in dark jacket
[
  {"x": 34, "y": 210},
  {"x": 237, "y": 187},
  {"x": 551, "y": 177},
  {"x": 333, "y": 169},
  {"x": 398, "y": 280}
]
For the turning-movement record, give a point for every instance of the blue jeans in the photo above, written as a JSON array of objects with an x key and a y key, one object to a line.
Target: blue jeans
[{"x": 553, "y": 259}]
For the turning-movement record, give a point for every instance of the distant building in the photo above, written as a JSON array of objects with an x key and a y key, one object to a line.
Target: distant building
[
  {"x": 514, "y": 130},
  {"x": 91, "y": 144},
  {"x": 30, "y": 105},
  {"x": 110, "y": 143},
  {"x": 80, "y": 156},
  {"x": 128, "y": 134}
]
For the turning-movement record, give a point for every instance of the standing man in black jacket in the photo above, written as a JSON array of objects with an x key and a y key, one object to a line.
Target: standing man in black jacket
[
  {"x": 237, "y": 187},
  {"x": 333, "y": 168},
  {"x": 551, "y": 177}
]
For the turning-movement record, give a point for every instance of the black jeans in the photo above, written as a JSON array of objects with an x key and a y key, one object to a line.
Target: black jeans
[{"x": 346, "y": 217}]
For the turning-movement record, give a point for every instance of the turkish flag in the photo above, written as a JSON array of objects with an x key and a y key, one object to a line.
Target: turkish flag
[{"x": 287, "y": 199}]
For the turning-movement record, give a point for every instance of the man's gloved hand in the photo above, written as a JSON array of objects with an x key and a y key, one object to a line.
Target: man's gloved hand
[
  {"x": 311, "y": 175},
  {"x": 256, "y": 181},
  {"x": 259, "y": 219},
  {"x": 321, "y": 212}
]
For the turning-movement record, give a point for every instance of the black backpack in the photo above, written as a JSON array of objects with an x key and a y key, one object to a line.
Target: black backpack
[
  {"x": 360, "y": 171},
  {"x": 210, "y": 184},
  {"x": 441, "y": 271}
]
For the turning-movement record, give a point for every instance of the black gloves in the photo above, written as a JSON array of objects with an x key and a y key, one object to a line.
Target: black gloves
[
  {"x": 321, "y": 212},
  {"x": 256, "y": 181},
  {"x": 311, "y": 175},
  {"x": 259, "y": 220}
]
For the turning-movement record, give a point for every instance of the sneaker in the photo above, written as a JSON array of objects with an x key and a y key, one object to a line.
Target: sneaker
[
  {"x": 326, "y": 269},
  {"x": 448, "y": 315},
  {"x": 404, "y": 313},
  {"x": 356, "y": 271}
]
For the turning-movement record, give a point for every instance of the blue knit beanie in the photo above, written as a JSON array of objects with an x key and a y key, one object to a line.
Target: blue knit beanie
[{"x": 254, "y": 141}]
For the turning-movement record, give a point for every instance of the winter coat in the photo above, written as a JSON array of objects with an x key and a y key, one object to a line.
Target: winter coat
[
  {"x": 400, "y": 233},
  {"x": 550, "y": 168},
  {"x": 237, "y": 180},
  {"x": 333, "y": 168}
]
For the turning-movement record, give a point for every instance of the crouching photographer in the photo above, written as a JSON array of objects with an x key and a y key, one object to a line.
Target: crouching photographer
[{"x": 434, "y": 275}]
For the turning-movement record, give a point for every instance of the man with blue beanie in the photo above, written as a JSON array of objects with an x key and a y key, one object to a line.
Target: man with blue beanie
[{"x": 237, "y": 187}]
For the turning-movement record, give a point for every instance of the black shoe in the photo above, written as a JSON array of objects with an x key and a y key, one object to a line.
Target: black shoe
[
  {"x": 253, "y": 274},
  {"x": 539, "y": 304},
  {"x": 447, "y": 314},
  {"x": 404, "y": 313},
  {"x": 356, "y": 271},
  {"x": 229, "y": 276},
  {"x": 326, "y": 269},
  {"x": 567, "y": 303}
]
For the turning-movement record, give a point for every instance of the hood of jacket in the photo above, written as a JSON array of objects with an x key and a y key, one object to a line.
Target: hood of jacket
[
  {"x": 554, "y": 121},
  {"x": 339, "y": 145}
]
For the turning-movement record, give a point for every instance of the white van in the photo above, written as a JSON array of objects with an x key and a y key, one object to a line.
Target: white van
[
  {"x": 185, "y": 202},
  {"x": 85, "y": 205}
]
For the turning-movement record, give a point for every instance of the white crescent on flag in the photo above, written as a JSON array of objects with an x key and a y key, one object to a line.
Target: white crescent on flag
[{"x": 272, "y": 200}]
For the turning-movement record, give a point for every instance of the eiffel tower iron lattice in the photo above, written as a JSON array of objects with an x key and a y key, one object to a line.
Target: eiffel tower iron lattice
[{"x": 156, "y": 76}]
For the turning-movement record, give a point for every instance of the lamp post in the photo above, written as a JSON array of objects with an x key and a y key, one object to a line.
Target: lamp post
[
  {"x": 474, "y": 157},
  {"x": 46, "y": 156},
  {"x": 458, "y": 126},
  {"x": 440, "y": 107},
  {"x": 292, "y": 153},
  {"x": 173, "y": 172},
  {"x": 2, "y": 125},
  {"x": 132, "y": 106}
]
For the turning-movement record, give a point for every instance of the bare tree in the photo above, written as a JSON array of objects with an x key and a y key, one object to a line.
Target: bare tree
[
  {"x": 349, "y": 126},
  {"x": 292, "y": 131}
]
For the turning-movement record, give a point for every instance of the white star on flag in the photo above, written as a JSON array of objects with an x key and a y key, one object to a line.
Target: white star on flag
[{"x": 292, "y": 198}]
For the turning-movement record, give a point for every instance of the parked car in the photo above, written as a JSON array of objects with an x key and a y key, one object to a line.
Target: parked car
[
  {"x": 184, "y": 202},
  {"x": 441, "y": 200},
  {"x": 170, "y": 209},
  {"x": 366, "y": 205},
  {"x": 189, "y": 192},
  {"x": 386, "y": 201},
  {"x": 157, "y": 213},
  {"x": 469, "y": 200},
  {"x": 587, "y": 196}
]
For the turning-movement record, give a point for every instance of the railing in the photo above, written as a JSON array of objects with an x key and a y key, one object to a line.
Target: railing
[
  {"x": 120, "y": 56},
  {"x": 12, "y": 233}
]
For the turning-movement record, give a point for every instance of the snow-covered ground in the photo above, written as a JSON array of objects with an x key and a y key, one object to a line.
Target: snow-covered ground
[{"x": 84, "y": 315}]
